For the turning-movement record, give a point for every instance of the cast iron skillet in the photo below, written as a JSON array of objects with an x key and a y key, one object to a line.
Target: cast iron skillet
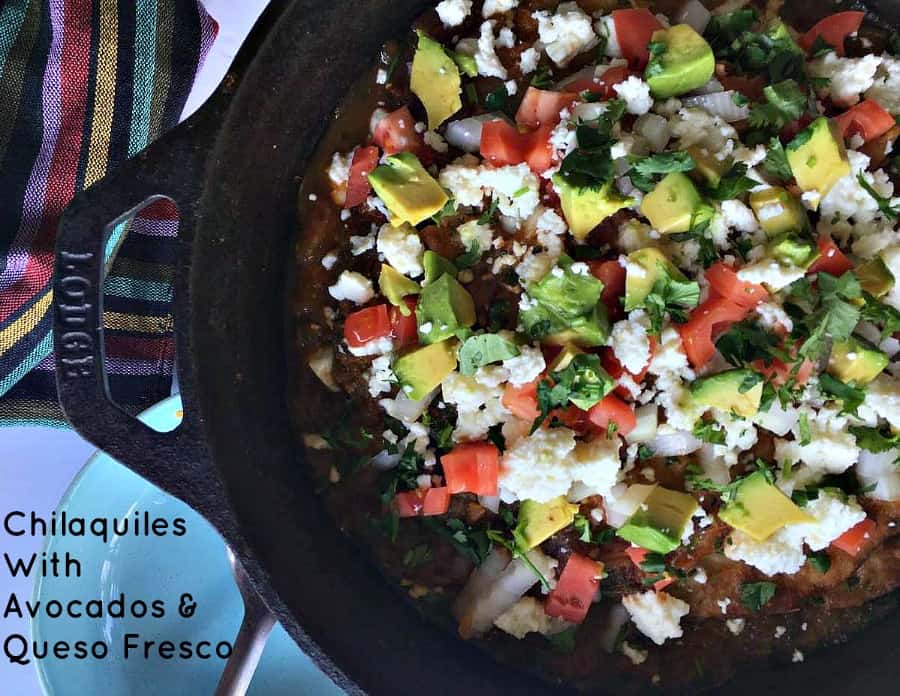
[{"x": 233, "y": 169}]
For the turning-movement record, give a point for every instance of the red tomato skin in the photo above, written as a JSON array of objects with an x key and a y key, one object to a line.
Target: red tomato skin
[
  {"x": 834, "y": 29},
  {"x": 405, "y": 329},
  {"x": 724, "y": 281},
  {"x": 612, "y": 275},
  {"x": 612, "y": 409},
  {"x": 473, "y": 467},
  {"x": 422, "y": 502},
  {"x": 853, "y": 540},
  {"x": 575, "y": 590},
  {"x": 572, "y": 417},
  {"x": 634, "y": 28},
  {"x": 365, "y": 159},
  {"x": 522, "y": 401},
  {"x": 367, "y": 325},
  {"x": 541, "y": 107},
  {"x": 866, "y": 119},
  {"x": 396, "y": 132},
  {"x": 636, "y": 554},
  {"x": 503, "y": 144},
  {"x": 831, "y": 259},
  {"x": 603, "y": 85},
  {"x": 697, "y": 334}
]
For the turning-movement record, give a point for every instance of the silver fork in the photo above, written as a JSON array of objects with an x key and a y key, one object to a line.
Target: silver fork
[{"x": 251, "y": 639}]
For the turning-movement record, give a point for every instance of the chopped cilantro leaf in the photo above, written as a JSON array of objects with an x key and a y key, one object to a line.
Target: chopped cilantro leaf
[
  {"x": 776, "y": 162},
  {"x": 874, "y": 439},
  {"x": 851, "y": 397},
  {"x": 821, "y": 561},
  {"x": 884, "y": 204},
  {"x": 755, "y": 595}
]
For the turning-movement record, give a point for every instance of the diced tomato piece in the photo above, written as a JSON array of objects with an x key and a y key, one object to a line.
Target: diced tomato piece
[
  {"x": 833, "y": 30},
  {"x": 603, "y": 85},
  {"x": 831, "y": 259},
  {"x": 779, "y": 372},
  {"x": 522, "y": 401},
  {"x": 473, "y": 467},
  {"x": 612, "y": 275},
  {"x": 422, "y": 502},
  {"x": 575, "y": 590},
  {"x": 724, "y": 281},
  {"x": 633, "y": 31},
  {"x": 572, "y": 417},
  {"x": 367, "y": 325},
  {"x": 611, "y": 409},
  {"x": 404, "y": 329},
  {"x": 706, "y": 321},
  {"x": 436, "y": 501},
  {"x": 636, "y": 554},
  {"x": 867, "y": 119},
  {"x": 855, "y": 538},
  {"x": 503, "y": 144},
  {"x": 365, "y": 159},
  {"x": 660, "y": 585},
  {"x": 396, "y": 132},
  {"x": 541, "y": 107}
]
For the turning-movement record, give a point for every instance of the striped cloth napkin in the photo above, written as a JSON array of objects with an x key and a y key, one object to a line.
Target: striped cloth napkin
[{"x": 84, "y": 85}]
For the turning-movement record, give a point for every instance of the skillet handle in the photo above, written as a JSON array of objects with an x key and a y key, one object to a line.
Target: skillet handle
[{"x": 177, "y": 461}]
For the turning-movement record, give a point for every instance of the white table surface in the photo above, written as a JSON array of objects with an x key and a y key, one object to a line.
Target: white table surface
[{"x": 38, "y": 464}]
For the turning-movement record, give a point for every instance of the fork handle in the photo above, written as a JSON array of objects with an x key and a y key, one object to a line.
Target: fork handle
[{"x": 248, "y": 648}]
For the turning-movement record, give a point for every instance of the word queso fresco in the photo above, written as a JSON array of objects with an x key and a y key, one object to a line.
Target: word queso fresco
[{"x": 21, "y": 651}]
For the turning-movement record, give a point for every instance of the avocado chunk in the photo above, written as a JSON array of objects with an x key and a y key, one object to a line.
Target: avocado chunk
[
  {"x": 710, "y": 169},
  {"x": 564, "y": 357},
  {"x": 875, "y": 277},
  {"x": 466, "y": 63},
  {"x": 671, "y": 204},
  {"x": 645, "y": 267},
  {"x": 539, "y": 521},
  {"x": 421, "y": 370},
  {"x": 584, "y": 208},
  {"x": 564, "y": 306},
  {"x": 436, "y": 266},
  {"x": 395, "y": 286},
  {"x": 659, "y": 522},
  {"x": 735, "y": 391},
  {"x": 760, "y": 509},
  {"x": 791, "y": 251},
  {"x": 818, "y": 158},
  {"x": 682, "y": 61},
  {"x": 778, "y": 211},
  {"x": 444, "y": 307},
  {"x": 856, "y": 360},
  {"x": 410, "y": 193},
  {"x": 435, "y": 81}
]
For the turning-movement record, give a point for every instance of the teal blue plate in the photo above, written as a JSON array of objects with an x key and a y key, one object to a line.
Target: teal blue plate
[{"x": 149, "y": 569}]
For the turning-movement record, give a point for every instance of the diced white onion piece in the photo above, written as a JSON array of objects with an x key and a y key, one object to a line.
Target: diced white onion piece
[
  {"x": 623, "y": 502},
  {"x": 714, "y": 466},
  {"x": 465, "y": 133},
  {"x": 618, "y": 617},
  {"x": 710, "y": 87},
  {"x": 720, "y": 104},
  {"x": 384, "y": 460},
  {"x": 405, "y": 409},
  {"x": 321, "y": 363},
  {"x": 654, "y": 129},
  {"x": 494, "y": 587},
  {"x": 490, "y": 502},
  {"x": 646, "y": 424},
  {"x": 674, "y": 444},
  {"x": 777, "y": 419},
  {"x": 579, "y": 491},
  {"x": 693, "y": 13}
]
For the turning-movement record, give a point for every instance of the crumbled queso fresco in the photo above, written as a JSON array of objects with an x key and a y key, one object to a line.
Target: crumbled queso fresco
[{"x": 628, "y": 305}]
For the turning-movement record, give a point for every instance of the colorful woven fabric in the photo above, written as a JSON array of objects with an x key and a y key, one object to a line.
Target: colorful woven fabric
[{"x": 84, "y": 85}]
